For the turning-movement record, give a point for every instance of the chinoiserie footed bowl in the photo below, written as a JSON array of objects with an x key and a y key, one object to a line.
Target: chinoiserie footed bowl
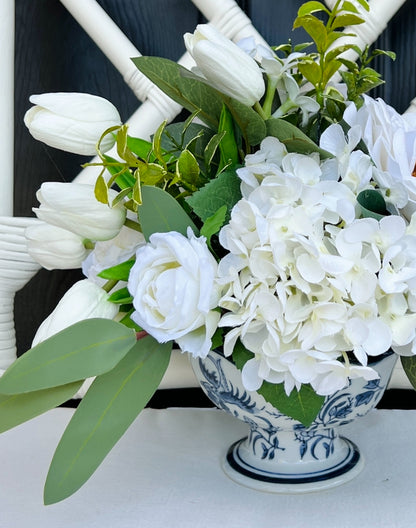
[{"x": 280, "y": 454}]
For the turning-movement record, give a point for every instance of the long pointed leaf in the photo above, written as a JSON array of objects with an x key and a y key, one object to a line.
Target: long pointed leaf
[
  {"x": 111, "y": 404},
  {"x": 18, "y": 408},
  {"x": 85, "y": 349}
]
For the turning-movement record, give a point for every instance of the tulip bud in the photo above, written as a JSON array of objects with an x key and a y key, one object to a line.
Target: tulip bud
[
  {"x": 72, "y": 121},
  {"x": 84, "y": 300},
  {"x": 73, "y": 206},
  {"x": 225, "y": 66},
  {"x": 55, "y": 248}
]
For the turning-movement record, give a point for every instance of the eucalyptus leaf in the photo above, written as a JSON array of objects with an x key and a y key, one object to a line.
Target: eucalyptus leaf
[
  {"x": 109, "y": 407},
  {"x": 88, "y": 348},
  {"x": 372, "y": 204},
  {"x": 161, "y": 213},
  {"x": 409, "y": 366},
  {"x": 303, "y": 405},
  {"x": 179, "y": 84},
  {"x": 293, "y": 138},
  {"x": 18, "y": 408},
  {"x": 251, "y": 124}
]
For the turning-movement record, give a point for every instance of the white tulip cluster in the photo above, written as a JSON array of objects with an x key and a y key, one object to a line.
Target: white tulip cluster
[{"x": 305, "y": 281}]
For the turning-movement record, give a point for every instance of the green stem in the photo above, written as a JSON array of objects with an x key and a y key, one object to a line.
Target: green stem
[
  {"x": 132, "y": 225},
  {"x": 268, "y": 100},
  {"x": 257, "y": 107},
  {"x": 109, "y": 285}
]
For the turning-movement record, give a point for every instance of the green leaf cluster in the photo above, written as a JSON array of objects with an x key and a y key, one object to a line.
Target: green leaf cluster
[
  {"x": 325, "y": 30},
  {"x": 127, "y": 372}
]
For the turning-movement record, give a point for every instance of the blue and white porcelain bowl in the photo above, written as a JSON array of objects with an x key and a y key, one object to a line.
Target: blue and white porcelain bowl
[{"x": 280, "y": 454}]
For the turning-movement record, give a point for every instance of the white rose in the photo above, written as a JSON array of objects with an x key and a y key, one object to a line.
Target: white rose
[
  {"x": 73, "y": 122},
  {"x": 225, "y": 66},
  {"x": 54, "y": 247},
  {"x": 109, "y": 253},
  {"x": 174, "y": 290},
  {"x": 73, "y": 206},
  {"x": 84, "y": 300}
]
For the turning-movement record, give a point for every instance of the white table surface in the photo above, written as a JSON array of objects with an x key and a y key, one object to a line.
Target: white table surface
[{"x": 165, "y": 472}]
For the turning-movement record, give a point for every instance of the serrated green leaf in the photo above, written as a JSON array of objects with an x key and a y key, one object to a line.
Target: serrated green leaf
[
  {"x": 18, "y": 408},
  {"x": 119, "y": 272},
  {"x": 223, "y": 190},
  {"x": 303, "y": 405},
  {"x": 372, "y": 204},
  {"x": 293, "y": 138},
  {"x": 409, "y": 366},
  {"x": 161, "y": 213},
  {"x": 88, "y": 348},
  {"x": 111, "y": 404},
  {"x": 213, "y": 224},
  {"x": 179, "y": 84}
]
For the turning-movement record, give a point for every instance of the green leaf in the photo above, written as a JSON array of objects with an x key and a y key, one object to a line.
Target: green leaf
[
  {"x": 293, "y": 138},
  {"x": 409, "y": 366},
  {"x": 181, "y": 86},
  {"x": 212, "y": 147},
  {"x": 101, "y": 189},
  {"x": 312, "y": 7},
  {"x": 161, "y": 213},
  {"x": 213, "y": 224},
  {"x": 111, "y": 404},
  {"x": 372, "y": 204},
  {"x": 121, "y": 296},
  {"x": 303, "y": 405},
  {"x": 241, "y": 355},
  {"x": 18, "y": 408},
  {"x": 223, "y": 190},
  {"x": 364, "y": 4},
  {"x": 228, "y": 145},
  {"x": 140, "y": 147},
  {"x": 187, "y": 169},
  {"x": 346, "y": 20},
  {"x": 315, "y": 28},
  {"x": 85, "y": 349},
  {"x": 251, "y": 124},
  {"x": 311, "y": 71},
  {"x": 119, "y": 272}
]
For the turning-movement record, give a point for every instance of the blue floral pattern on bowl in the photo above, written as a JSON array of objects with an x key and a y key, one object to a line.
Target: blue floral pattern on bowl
[{"x": 279, "y": 453}]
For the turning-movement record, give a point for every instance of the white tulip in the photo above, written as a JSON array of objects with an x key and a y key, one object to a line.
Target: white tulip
[
  {"x": 173, "y": 285},
  {"x": 84, "y": 300},
  {"x": 73, "y": 122},
  {"x": 55, "y": 248},
  {"x": 73, "y": 206},
  {"x": 225, "y": 66}
]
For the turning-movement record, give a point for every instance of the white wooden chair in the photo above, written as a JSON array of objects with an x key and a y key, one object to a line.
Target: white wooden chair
[{"x": 16, "y": 267}]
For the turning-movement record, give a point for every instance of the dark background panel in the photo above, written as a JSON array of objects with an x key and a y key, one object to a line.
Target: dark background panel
[{"x": 54, "y": 54}]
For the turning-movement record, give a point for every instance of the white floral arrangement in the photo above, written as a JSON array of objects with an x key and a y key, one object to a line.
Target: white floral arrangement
[{"x": 276, "y": 224}]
